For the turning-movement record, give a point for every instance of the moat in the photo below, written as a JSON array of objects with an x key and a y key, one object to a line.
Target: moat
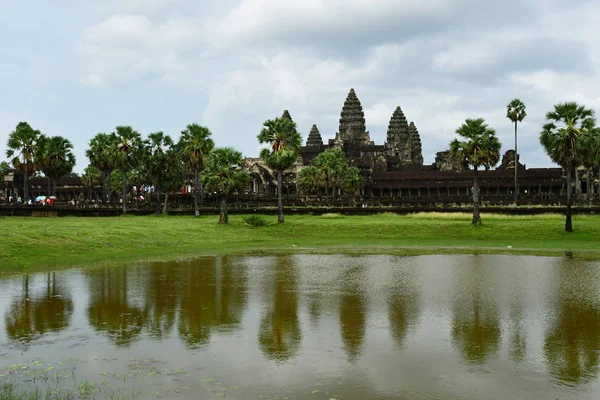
[{"x": 294, "y": 327}]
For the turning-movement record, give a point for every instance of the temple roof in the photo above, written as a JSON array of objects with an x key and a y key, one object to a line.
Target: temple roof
[
  {"x": 286, "y": 114},
  {"x": 314, "y": 137},
  {"x": 417, "y": 148},
  {"x": 352, "y": 119},
  {"x": 398, "y": 128}
]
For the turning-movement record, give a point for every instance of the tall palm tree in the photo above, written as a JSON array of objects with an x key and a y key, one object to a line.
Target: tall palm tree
[
  {"x": 515, "y": 111},
  {"x": 128, "y": 147},
  {"x": 194, "y": 144},
  {"x": 22, "y": 148},
  {"x": 481, "y": 148},
  {"x": 58, "y": 158},
  {"x": 101, "y": 153},
  {"x": 90, "y": 178},
  {"x": 564, "y": 137},
  {"x": 224, "y": 173},
  {"x": 157, "y": 147},
  {"x": 284, "y": 145},
  {"x": 332, "y": 163}
]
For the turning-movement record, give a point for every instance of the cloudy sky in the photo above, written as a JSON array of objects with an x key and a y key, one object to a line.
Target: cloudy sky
[{"x": 78, "y": 67}]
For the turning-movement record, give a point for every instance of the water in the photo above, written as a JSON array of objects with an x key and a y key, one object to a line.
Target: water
[{"x": 319, "y": 327}]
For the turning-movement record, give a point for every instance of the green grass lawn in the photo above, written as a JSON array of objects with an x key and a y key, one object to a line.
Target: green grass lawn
[{"x": 36, "y": 243}]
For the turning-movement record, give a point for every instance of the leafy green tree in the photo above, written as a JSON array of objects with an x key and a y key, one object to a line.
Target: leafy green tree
[
  {"x": 309, "y": 179},
  {"x": 4, "y": 166},
  {"x": 194, "y": 144},
  {"x": 174, "y": 177},
  {"x": 564, "y": 137},
  {"x": 224, "y": 173},
  {"x": 101, "y": 153},
  {"x": 284, "y": 145},
  {"x": 157, "y": 146},
  {"x": 22, "y": 149},
  {"x": 350, "y": 182},
  {"x": 481, "y": 148},
  {"x": 332, "y": 164},
  {"x": 515, "y": 111},
  {"x": 591, "y": 160},
  {"x": 91, "y": 178},
  {"x": 57, "y": 158},
  {"x": 128, "y": 148}
]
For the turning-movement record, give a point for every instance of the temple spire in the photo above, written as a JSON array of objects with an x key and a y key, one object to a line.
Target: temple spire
[
  {"x": 416, "y": 147},
  {"x": 314, "y": 137},
  {"x": 352, "y": 120},
  {"x": 286, "y": 114},
  {"x": 398, "y": 132}
]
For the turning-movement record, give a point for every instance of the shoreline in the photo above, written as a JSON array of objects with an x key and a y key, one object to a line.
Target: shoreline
[{"x": 37, "y": 244}]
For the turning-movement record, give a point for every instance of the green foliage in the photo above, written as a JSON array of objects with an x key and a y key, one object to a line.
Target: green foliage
[
  {"x": 194, "y": 145},
  {"x": 128, "y": 148},
  {"x": 515, "y": 111},
  {"x": 255, "y": 221},
  {"x": 481, "y": 147},
  {"x": 92, "y": 177},
  {"x": 350, "y": 181},
  {"x": 4, "y": 166},
  {"x": 101, "y": 152},
  {"x": 23, "y": 146},
  {"x": 55, "y": 157},
  {"x": 284, "y": 143},
  {"x": 224, "y": 171},
  {"x": 309, "y": 179},
  {"x": 567, "y": 132},
  {"x": 591, "y": 151}
]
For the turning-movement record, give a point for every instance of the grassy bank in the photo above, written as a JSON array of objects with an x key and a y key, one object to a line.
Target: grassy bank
[{"x": 59, "y": 242}]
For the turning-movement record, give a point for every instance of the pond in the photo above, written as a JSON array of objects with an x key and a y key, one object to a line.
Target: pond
[{"x": 307, "y": 326}]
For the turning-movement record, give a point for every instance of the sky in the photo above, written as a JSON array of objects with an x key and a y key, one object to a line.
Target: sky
[{"x": 78, "y": 67}]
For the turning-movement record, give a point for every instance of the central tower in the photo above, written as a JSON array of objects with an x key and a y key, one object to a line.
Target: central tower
[{"x": 352, "y": 121}]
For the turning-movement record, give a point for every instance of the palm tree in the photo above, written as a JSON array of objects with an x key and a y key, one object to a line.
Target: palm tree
[
  {"x": 91, "y": 178},
  {"x": 22, "y": 148},
  {"x": 564, "y": 137},
  {"x": 481, "y": 148},
  {"x": 175, "y": 175},
  {"x": 284, "y": 145},
  {"x": 157, "y": 146},
  {"x": 332, "y": 163},
  {"x": 195, "y": 144},
  {"x": 128, "y": 147},
  {"x": 101, "y": 154},
  {"x": 309, "y": 179},
  {"x": 224, "y": 173},
  {"x": 515, "y": 111},
  {"x": 57, "y": 158},
  {"x": 591, "y": 159}
]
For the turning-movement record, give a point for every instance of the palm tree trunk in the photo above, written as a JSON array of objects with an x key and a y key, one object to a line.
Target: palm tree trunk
[
  {"x": 157, "y": 188},
  {"x": 109, "y": 191},
  {"x": 124, "y": 192},
  {"x": 279, "y": 198},
  {"x": 196, "y": 211},
  {"x": 590, "y": 187},
  {"x": 103, "y": 186},
  {"x": 166, "y": 202},
  {"x": 569, "y": 223},
  {"x": 49, "y": 188},
  {"x": 223, "y": 219},
  {"x": 516, "y": 166},
  {"x": 25, "y": 187},
  {"x": 201, "y": 188},
  {"x": 475, "y": 190},
  {"x": 53, "y": 187}
]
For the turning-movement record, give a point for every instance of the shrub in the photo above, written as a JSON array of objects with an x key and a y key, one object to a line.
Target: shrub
[{"x": 255, "y": 220}]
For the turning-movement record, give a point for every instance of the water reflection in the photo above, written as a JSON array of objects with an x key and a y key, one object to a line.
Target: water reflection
[
  {"x": 476, "y": 332},
  {"x": 403, "y": 305},
  {"x": 280, "y": 335},
  {"x": 572, "y": 344},
  {"x": 112, "y": 307},
  {"x": 353, "y": 310},
  {"x": 32, "y": 314},
  {"x": 161, "y": 300}
]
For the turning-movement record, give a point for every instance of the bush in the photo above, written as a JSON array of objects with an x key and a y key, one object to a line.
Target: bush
[{"x": 255, "y": 220}]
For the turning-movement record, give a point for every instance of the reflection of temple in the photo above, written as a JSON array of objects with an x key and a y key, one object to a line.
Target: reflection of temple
[{"x": 395, "y": 170}]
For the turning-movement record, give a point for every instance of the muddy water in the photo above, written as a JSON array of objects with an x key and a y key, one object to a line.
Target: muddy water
[{"x": 318, "y": 327}]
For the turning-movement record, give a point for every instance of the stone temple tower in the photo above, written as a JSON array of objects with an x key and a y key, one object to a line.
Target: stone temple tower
[
  {"x": 352, "y": 121},
  {"x": 314, "y": 138},
  {"x": 403, "y": 140}
]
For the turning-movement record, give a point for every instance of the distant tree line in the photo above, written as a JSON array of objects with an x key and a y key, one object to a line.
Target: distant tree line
[{"x": 124, "y": 158}]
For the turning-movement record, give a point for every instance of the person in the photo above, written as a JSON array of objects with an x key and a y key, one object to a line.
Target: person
[{"x": 19, "y": 200}]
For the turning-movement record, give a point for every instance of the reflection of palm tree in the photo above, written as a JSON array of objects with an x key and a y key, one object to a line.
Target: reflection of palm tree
[
  {"x": 518, "y": 340},
  {"x": 280, "y": 334},
  {"x": 232, "y": 293},
  {"x": 404, "y": 309},
  {"x": 109, "y": 309},
  {"x": 572, "y": 345},
  {"x": 475, "y": 324},
  {"x": 353, "y": 312},
  {"x": 162, "y": 294},
  {"x": 32, "y": 315}
]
